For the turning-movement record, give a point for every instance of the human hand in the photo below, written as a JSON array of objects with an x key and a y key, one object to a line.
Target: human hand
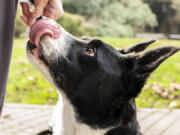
[{"x": 49, "y": 8}]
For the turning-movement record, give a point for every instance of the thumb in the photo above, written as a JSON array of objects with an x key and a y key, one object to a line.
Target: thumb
[
  {"x": 25, "y": 8},
  {"x": 25, "y": 12}
]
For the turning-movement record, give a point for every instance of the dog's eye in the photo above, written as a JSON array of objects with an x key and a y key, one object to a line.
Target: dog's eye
[{"x": 89, "y": 51}]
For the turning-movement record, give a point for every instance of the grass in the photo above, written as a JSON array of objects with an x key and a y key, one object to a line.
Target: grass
[{"x": 27, "y": 86}]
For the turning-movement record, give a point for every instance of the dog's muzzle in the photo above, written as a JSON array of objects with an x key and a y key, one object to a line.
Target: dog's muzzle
[{"x": 44, "y": 26}]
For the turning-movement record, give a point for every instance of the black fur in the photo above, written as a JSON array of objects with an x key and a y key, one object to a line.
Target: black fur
[
  {"x": 103, "y": 88},
  {"x": 46, "y": 132},
  {"x": 137, "y": 48}
]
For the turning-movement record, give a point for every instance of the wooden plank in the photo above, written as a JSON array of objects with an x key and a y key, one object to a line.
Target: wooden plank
[
  {"x": 164, "y": 124},
  {"x": 152, "y": 119},
  {"x": 142, "y": 114}
]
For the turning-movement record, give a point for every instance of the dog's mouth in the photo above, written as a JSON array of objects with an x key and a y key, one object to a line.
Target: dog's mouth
[
  {"x": 32, "y": 48},
  {"x": 40, "y": 28}
]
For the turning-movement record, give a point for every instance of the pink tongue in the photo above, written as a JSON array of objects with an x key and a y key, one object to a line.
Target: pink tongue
[{"x": 42, "y": 27}]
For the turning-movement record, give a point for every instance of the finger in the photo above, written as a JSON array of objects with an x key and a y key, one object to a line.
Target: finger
[
  {"x": 25, "y": 20},
  {"x": 60, "y": 10},
  {"x": 49, "y": 14},
  {"x": 37, "y": 12},
  {"x": 25, "y": 9},
  {"x": 53, "y": 10},
  {"x": 60, "y": 13},
  {"x": 53, "y": 14},
  {"x": 40, "y": 5}
]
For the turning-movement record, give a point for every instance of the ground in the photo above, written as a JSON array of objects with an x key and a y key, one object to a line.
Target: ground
[{"x": 17, "y": 119}]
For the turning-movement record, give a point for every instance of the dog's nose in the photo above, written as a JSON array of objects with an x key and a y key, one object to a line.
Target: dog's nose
[{"x": 40, "y": 17}]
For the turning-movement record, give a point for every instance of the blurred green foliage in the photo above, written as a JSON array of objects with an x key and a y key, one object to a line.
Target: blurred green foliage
[
  {"x": 20, "y": 27},
  {"x": 125, "y": 18},
  {"x": 86, "y": 8},
  {"x": 26, "y": 84},
  {"x": 75, "y": 25},
  {"x": 168, "y": 15},
  {"x": 114, "y": 18}
]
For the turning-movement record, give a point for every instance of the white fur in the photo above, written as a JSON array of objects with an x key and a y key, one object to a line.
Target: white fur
[
  {"x": 54, "y": 47},
  {"x": 64, "y": 122},
  {"x": 40, "y": 67}
]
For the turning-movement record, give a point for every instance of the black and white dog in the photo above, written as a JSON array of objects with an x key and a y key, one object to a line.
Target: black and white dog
[{"x": 97, "y": 84}]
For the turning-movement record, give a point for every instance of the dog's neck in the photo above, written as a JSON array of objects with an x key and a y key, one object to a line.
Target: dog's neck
[{"x": 64, "y": 120}]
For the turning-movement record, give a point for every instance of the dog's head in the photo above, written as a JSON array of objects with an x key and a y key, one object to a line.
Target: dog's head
[{"x": 93, "y": 75}]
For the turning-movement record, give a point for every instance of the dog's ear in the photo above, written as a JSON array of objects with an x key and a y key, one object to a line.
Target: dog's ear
[
  {"x": 136, "y": 48},
  {"x": 141, "y": 65},
  {"x": 148, "y": 61}
]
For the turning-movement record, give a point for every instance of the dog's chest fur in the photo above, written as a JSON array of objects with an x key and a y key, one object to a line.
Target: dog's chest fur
[{"x": 64, "y": 122}]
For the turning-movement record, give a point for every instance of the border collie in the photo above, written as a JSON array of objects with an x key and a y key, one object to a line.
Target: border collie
[{"x": 97, "y": 84}]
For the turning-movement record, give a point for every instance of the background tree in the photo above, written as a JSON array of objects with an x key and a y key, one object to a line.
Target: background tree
[
  {"x": 86, "y": 8},
  {"x": 114, "y": 17},
  {"x": 168, "y": 15},
  {"x": 124, "y": 18}
]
